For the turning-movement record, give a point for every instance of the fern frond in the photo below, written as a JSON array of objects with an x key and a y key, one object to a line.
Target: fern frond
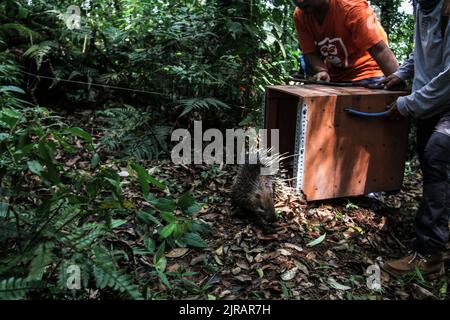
[
  {"x": 131, "y": 132},
  {"x": 43, "y": 257},
  {"x": 9, "y": 70},
  {"x": 84, "y": 236},
  {"x": 16, "y": 288},
  {"x": 19, "y": 31},
  {"x": 201, "y": 104},
  {"x": 39, "y": 51},
  {"x": 106, "y": 275}
]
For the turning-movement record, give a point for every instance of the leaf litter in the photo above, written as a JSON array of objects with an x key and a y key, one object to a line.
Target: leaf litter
[{"x": 319, "y": 250}]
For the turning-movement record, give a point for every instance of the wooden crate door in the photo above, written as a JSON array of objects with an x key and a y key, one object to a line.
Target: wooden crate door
[{"x": 371, "y": 151}]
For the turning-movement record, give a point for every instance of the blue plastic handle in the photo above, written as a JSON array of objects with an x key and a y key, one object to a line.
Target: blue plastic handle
[{"x": 367, "y": 114}]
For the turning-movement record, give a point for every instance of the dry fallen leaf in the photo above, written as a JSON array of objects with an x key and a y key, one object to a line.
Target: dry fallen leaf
[
  {"x": 301, "y": 267},
  {"x": 177, "y": 253},
  {"x": 289, "y": 275},
  {"x": 284, "y": 252},
  {"x": 218, "y": 261},
  {"x": 197, "y": 260},
  {"x": 243, "y": 265},
  {"x": 422, "y": 293},
  {"x": 236, "y": 271},
  {"x": 293, "y": 246},
  {"x": 173, "y": 267},
  {"x": 219, "y": 251},
  {"x": 243, "y": 278}
]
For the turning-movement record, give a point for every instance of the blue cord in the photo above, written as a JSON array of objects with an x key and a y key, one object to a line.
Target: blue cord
[
  {"x": 303, "y": 65},
  {"x": 367, "y": 114}
]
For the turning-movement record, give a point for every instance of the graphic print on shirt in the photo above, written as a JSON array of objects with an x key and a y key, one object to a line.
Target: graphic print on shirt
[{"x": 334, "y": 51}]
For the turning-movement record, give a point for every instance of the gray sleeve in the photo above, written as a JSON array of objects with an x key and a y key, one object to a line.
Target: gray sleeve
[
  {"x": 406, "y": 70},
  {"x": 435, "y": 96}
]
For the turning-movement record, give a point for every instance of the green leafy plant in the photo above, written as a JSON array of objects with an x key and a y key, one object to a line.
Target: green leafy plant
[
  {"x": 133, "y": 133},
  {"x": 52, "y": 217}
]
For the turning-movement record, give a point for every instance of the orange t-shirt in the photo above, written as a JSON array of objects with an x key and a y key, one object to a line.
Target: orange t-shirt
[{"x": 348, "y": 31}]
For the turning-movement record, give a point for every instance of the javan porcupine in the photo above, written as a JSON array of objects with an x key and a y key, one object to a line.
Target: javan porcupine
[{"x": 252, "y": 195}]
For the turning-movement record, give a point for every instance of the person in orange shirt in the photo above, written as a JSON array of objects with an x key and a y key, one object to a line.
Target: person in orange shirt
[{"x": 343, "y": 41}]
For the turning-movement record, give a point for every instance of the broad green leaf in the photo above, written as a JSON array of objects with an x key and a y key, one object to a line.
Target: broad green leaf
[
  {"x": 115, "y": 223},
  {"x": 168, "y": 217},
  {"x": 160, "y": 252},
  {"x": 150, "y": 245},
  {"x": 168, "y": 230},
  {"x": 11, "y": 89},
  {"x": 142, "y": 177},
  {"x": 194, "y": 240},
  {"x": 11, "y": 113},
  {"x": 35, "y": 167},
  {"x": 8, "y": 121},
  {"x": 4, "y": 209},
  {"x": 148, "y": 218},
  {"x": 161, "y": 264},
  {"x": 186, "y": 200},
  {"x": 114, "y": 183},
  {"x": 164, "y": 279},
  {"x": 200, "y": 227},
  {"x": 164, "y": 204},
  {"x": 188, "y": 204},
  {"x": 46, "y": 152},
  {"x": 4, "y": 136},
  {"x": 145, "y": 178},
  {"x": 193, "y": 209},
  {"x": 80, "y": 133},
  {"x": 317, "y": 241},
  {"x": 95, "y": 160},
  {"x": 181, "y": 229}
]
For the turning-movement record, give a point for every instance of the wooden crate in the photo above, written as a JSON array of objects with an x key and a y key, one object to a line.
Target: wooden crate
[{"x": 337, "y": 154}]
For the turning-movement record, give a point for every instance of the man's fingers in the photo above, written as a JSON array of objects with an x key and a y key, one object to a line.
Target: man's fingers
[
  {"x": 322, "y": 76},
  {"x": 390, "y": 83},
  {"x": 384, "y": 81}
]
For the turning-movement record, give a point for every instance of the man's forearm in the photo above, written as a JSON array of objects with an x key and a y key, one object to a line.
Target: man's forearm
[
  {"x": 315, "y": 63},
  {"x": 385, "y": 58},
  {"x": 432, "y": 99}
]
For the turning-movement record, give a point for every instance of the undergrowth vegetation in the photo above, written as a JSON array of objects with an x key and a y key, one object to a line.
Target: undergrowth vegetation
[{"x": 145, "y": 67}]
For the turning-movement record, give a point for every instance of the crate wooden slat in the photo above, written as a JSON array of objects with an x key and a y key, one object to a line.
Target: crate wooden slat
[{"x": 338, "y": 154}]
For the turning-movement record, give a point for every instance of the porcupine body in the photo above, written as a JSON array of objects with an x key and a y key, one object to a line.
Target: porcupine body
[{"x": 252, "y": 195}]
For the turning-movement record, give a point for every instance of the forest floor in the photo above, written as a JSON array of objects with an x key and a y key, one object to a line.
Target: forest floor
[{"x": 319, "y": 250}]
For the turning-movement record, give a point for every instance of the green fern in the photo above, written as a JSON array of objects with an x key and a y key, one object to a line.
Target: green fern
[
  {"x": 8, "y": 230},
  {"x": 9, "y": 70},
  {"x": 39, "y": 51},
  {"x": 16, "y": 31},
  {"x": 16, "y": 288},
  {"x": 132, "y": 132},
  {"x": 43, "y": 258},
  {"x": 83, "y": 237},
  {"x": 202, "y": 104},
  {"x": 106, "y": 275}
]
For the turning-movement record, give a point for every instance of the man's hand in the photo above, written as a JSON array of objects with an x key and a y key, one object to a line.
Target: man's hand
[
  {"x": 322, "y": 76},
  {"x": 392, "y": 82},
  {"x": 394, "y": 114},
  {"x": 315, "y": 63}
]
